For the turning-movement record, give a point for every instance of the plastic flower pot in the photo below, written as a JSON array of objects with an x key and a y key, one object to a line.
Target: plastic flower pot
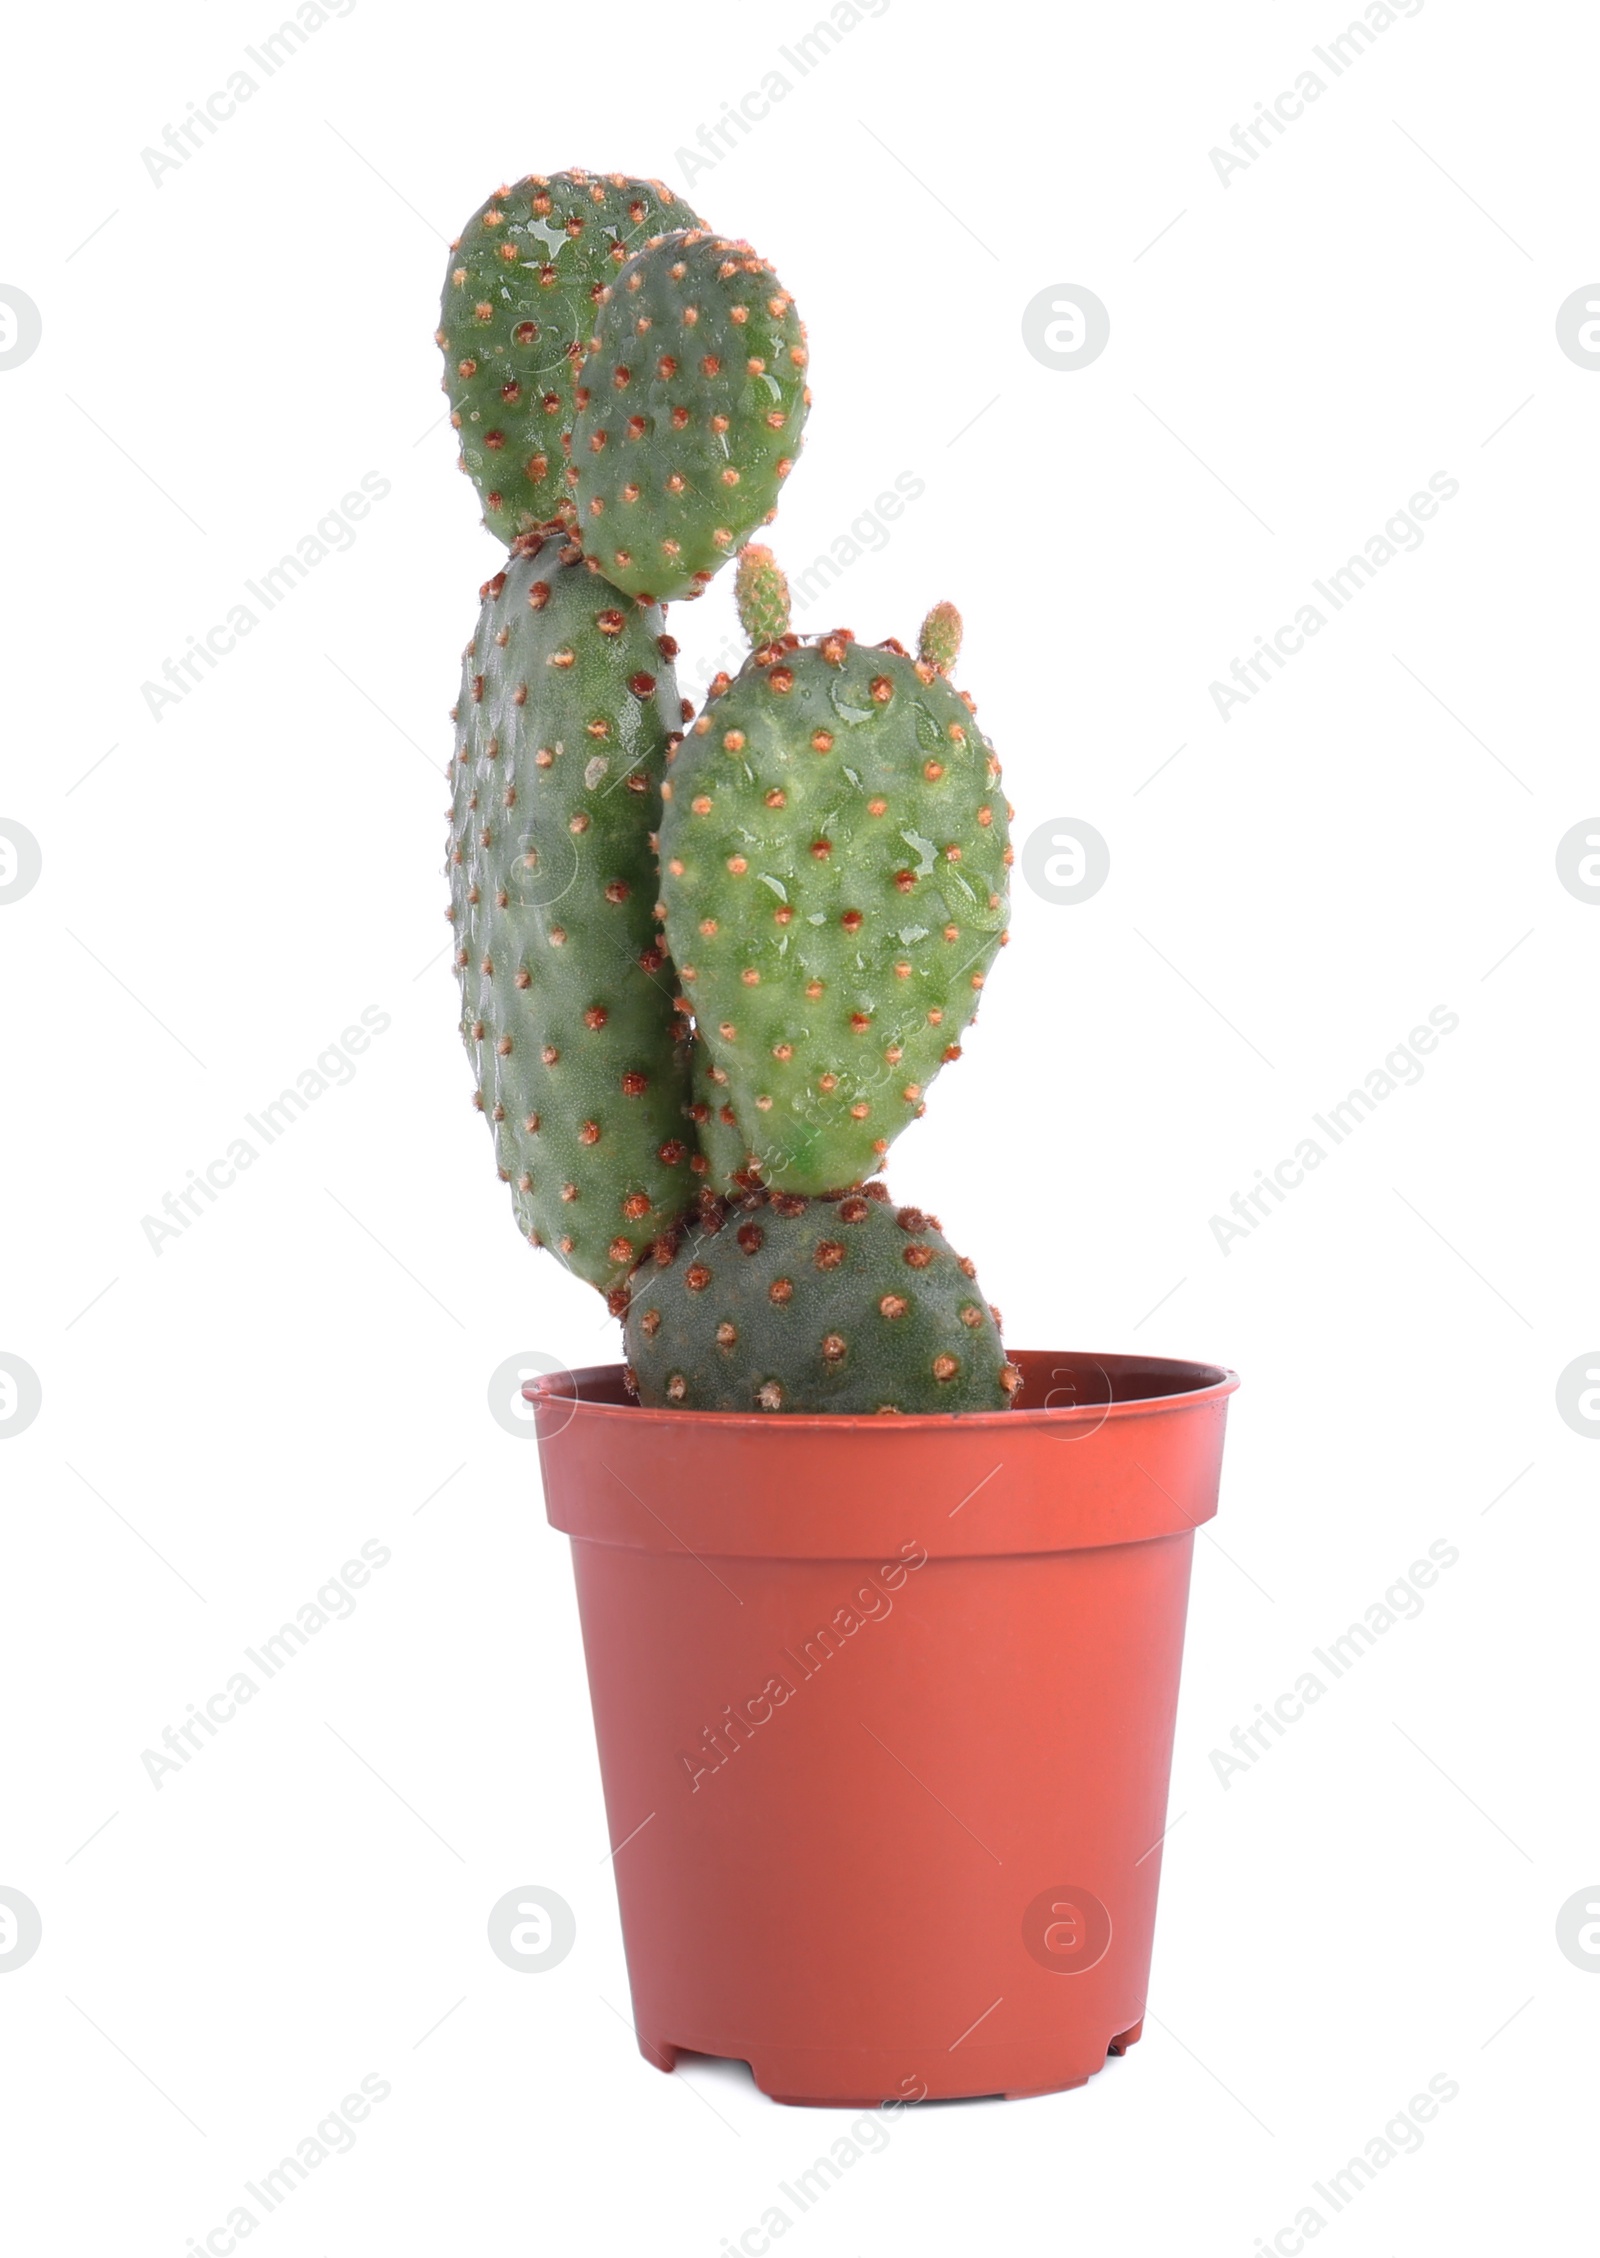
[{"x": 884, "y": 1710}]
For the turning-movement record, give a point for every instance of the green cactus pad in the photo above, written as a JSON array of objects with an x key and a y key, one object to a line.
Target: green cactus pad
[
  {"x": 834, "y": 857},
  {"x": 777, "y": 1303},
  {"x": 520, "y": 296},
  {"x": 568, "y": 709},
  {"x": 690, "y": 409}
]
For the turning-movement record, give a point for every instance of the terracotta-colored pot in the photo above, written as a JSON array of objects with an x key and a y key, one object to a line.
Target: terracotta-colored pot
[{"x": 885, "y": 1710}]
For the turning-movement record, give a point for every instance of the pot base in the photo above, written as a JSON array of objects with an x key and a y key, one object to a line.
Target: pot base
[{"x": 856, "y": 2078}]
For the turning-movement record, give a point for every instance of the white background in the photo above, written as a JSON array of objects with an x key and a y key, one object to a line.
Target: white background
[{"x": 1291, "y": 356}]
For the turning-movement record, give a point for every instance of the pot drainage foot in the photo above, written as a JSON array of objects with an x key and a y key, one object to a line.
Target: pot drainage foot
[
  {"x": 1116, "y": 2046},
  {"x": 659, "y": 2057}
]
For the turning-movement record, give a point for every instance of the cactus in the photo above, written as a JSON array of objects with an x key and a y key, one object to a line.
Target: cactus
[
  {"x": 567, "y": 712},
  {"x": 690, "y": 410},
  {"x": 777, "y": 1303},
  {"x": 834, "y": 855},
  {"x": 524, "y": 280},
  {"x": 825, "y": 853}
]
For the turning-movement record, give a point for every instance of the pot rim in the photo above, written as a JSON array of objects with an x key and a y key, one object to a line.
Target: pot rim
[{"x": 1210, "y": 1383}]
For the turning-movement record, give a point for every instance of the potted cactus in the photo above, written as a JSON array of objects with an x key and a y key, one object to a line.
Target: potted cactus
[{"x": 710, "y": 964}]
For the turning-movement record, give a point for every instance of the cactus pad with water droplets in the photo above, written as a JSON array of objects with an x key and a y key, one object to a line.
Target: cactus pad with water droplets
[
  {"x": 834, "y": 858},
  {"x": 778, "y": 1303},
  {"x": 520, "y": 298},
  {"x": 568, "y": 705},
  {"x": 691, "y": 406}
]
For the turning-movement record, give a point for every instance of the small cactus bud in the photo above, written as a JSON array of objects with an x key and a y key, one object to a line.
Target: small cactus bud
[
  {"x": 939, "y": 643},
  {"x": 762, "y": 594}
]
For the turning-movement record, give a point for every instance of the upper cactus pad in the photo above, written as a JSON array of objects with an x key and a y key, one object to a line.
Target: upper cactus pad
[
  {"x": 690, "y": 409},
  {"x": 520, "y": 297},
  {"x": 834, "y": 852}
]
